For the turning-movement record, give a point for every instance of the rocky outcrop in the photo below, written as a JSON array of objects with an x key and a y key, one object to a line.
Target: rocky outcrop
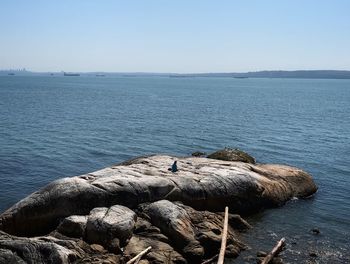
[
  {"x": 195, "y": 234},
  {"x": 177, "y": 234},
  {"x": 110, "y": 227},
  {"x": 39, "y": 250},
  {"x": 116, "y": 212},
  {"x": 230, "y": 154},
  {"x": 200, "y": 182},
  {"x": 52, "y": 249}
]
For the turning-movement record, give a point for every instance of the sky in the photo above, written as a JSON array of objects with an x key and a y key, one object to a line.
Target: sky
[{"x": 174, "y": 36}]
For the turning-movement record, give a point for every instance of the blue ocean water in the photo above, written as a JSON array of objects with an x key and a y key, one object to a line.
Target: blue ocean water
[{"x": 52, "y": 127}]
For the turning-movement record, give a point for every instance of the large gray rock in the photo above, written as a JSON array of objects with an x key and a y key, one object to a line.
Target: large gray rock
[
  {"x": 73, "y": 226},
  {"x": 51, "y": 249},
  {"x": 200, "y": 182},
  {"x": 8, "y": 256},
  {"x": 37, "y": 250},
  {"x": 107, "y": 224},
  {"x": 196, "y": 234},
  {"x": 161, "y": 252},
  {"x": 175, "y": 223}
]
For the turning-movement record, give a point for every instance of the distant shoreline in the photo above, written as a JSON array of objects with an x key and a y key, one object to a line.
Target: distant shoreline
[{"x": 299, "y": 74}]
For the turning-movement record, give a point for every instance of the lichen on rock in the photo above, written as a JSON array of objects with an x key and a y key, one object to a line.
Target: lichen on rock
[{"x": 230, "y": 154}]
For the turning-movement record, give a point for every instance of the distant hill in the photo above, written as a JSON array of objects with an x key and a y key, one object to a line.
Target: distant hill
[
  {"x": 304, "y": 74},
  {"x": 316, "y": 74},
  {"x": 312, "y": 74}
]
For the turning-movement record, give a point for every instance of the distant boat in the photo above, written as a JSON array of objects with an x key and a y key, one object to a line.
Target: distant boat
[
  {"x": 240, "y": 77},
  {"x": 11, "y": 73},
  {"x": 100, "y": 75},
  {"x": 70, "y": 74},
  {"x": 182, "y": 76}
]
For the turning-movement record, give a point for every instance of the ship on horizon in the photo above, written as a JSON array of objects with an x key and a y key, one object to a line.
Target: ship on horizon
[{"x": 70, "y": 74}]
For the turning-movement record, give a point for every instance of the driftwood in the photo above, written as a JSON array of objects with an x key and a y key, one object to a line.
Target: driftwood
[
  {"x": 208, "y": 261},
  {"x": 277, "y": 249},
  {"x": 137, "y": 258},
  {"x": 224, "y": 238}
]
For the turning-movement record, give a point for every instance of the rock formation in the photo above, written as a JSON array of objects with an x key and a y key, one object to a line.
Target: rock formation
[{"x": 114, "y": 213}]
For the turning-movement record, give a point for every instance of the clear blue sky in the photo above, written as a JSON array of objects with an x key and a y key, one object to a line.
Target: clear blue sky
[{"x": 174, "y": 36}]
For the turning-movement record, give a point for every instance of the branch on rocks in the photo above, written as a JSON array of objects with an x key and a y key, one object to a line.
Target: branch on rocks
[
  {"x": 275, "y": 251},
  {"x": 137, "y": 258},
  {"x": 224, "y": 238},
  {"x": 208, "y": 261}
]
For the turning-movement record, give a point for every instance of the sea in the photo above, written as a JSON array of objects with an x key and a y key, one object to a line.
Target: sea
[{"x": 54, "y": 126}]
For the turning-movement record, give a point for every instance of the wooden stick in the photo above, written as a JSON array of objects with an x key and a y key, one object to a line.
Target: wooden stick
[
  {"x": 137, "y": 258},
  {"x": 277, "y": 249},
  {"x": 224, "y": 238},
  {"x": 208, "y": 261}
]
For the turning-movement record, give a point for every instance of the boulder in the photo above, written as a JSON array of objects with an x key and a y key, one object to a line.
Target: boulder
[
  {"x": 52, "y": 249},
  {"x": 196, "y": 234},
  {"x": 175, "y": 223},
  {"x": 161, "y": 252},
  {"x": 110, "y": 226},
  {"x": 230, "y": 154},
  {"x": 73, "y": 226},
  {"x": 146, "y": 235},
  {"x": 37, "y": 250}
]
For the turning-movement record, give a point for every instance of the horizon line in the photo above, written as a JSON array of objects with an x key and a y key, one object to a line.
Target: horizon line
[{"x": 156, "y": 72}]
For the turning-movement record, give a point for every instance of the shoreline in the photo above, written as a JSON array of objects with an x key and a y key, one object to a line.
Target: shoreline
[{"x": 139, "y": 203}]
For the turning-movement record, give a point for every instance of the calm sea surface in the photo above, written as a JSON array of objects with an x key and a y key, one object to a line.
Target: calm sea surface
[{"x": 52, "y": 127}]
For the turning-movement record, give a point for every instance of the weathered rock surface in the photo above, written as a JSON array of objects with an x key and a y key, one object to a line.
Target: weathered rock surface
[
  {"x": 53, "y": 249},
  {"x": 146, "y": 235},
  {"x": 110, "y": 227},
  {"x": 175, "y": 223},
  {"x": 112, "y": 214},
  {"x": 230, "y": 154},
  {"x": 200, "y": 182},
  {"x": 38, "y": 250},
  {"x": 177, "y": 234},
  {"x": 161, "y": 252},
  {"x": 73, "y": 226},
  {"x": 195, "y": 234},
  {"x": 107, "y": 224}
]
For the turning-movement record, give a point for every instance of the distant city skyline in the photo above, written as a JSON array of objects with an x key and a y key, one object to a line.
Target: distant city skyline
[{"x": 174, "y": 36}]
